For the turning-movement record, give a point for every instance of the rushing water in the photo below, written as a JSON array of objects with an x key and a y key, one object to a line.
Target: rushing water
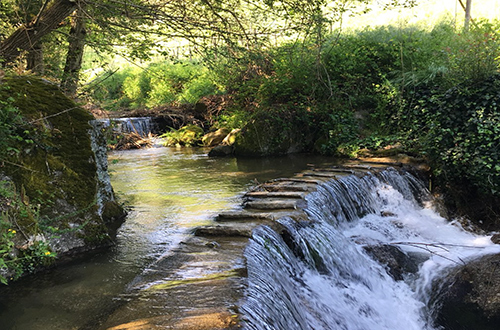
[
  {"x": 170, "y": 191},
  {"x": 318, "y": 276}
]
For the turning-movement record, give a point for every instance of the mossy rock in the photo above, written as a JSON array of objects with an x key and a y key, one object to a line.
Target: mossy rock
[
  {"x": 273, "y": 133},
  {"x": 55, "y": 168},
  {"x": 469, "y": 296}
]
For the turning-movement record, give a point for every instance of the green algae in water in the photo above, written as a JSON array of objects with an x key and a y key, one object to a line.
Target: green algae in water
[{"x": 209, "y": 277}]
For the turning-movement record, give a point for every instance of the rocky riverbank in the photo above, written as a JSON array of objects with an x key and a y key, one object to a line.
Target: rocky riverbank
[{"x": 59, "y": 201}]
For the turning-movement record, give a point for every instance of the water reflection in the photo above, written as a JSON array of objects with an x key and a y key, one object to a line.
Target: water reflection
[{"x": 170, "y": 191}]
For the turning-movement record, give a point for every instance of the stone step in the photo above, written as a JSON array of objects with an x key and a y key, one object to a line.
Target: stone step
[
  {"x": 298, "y": 180},
  {"x": 271, "y": 194},
  {"x": 240, "y": 230},
  {"x": 244, "y": 215},
  {"x": 321, "y": 175},
  {"x": 288, "y": 186},
  {"x": 268, "y": 204}
]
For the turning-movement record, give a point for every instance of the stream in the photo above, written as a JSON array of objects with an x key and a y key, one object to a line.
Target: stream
[
  {"x": 169, "y": 191},
  {"x": 311, "y": 274}
]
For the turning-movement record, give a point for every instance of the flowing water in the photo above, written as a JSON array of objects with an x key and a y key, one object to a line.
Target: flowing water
[
  {"x": 140, "y": 125},
  {"x": 170, "y": 191},
  {"x": 316, "y": 275}
]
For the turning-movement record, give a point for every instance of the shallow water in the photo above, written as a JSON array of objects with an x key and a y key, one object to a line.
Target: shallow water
[{"x": 170, "y": 191}]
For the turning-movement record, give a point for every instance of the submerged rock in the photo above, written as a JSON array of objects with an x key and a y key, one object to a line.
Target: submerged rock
[
  {"x": 469, "y": 297},
  {"x": 397, "y": 262}
]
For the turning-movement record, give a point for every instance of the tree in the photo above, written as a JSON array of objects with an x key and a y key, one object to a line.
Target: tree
[
  {"x": 76, "y": 40},
  {"x": 27, "y": 36},
  {"x": 140, "y": 26}
]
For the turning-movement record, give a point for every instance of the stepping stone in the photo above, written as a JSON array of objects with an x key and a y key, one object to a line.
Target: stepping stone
[
  {"x": 218, "y": 230},
  {"x": 244, "y": 215},
  {"x": 271, "y": 204},
  {"x": 321, "y": 175},
  {"x": 265, "y": 194}
]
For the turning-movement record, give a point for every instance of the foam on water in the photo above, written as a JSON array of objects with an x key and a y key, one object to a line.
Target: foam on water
[{"x": 317, "y": 275}]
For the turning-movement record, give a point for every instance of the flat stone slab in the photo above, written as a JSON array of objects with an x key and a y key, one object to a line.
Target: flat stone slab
[
  {"x": 226, "y": 230},
  {"x": 268, "y": 204},
  {"x": 270, "y": 194},
  {"x": 321, "y": 174},
  {"x": 244, "y": 215},
  {"x": 340, "y": 171},
  {"x": 288, "y": 186}
]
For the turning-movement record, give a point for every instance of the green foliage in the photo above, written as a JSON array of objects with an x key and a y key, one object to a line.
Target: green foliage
[
  {"x": 464, "y": 138},
  {"x": 378, "y": 83},
  {"x": 10, "y": 121},
  {"x": 475, "y": 54},
  {"x": 19, "y": 253},
  {"x": 189, "y": 136},
  {"x": 157, "y": 84}
]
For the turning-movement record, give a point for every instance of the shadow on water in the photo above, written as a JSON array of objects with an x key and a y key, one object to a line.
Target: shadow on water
[{"x": 169, "y": 191}]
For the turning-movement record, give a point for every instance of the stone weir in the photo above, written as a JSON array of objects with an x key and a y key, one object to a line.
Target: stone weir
[{"x": 201, "y": 284}]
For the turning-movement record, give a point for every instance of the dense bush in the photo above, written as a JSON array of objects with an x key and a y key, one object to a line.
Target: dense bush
[
  {"x": 360, "y": 84},
  {"x": 464, "y": 139}
]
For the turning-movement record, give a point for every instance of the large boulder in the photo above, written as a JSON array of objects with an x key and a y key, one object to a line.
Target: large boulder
[
  {"x": 58, "y": 171},
  {"x": 469, "y": 297}
]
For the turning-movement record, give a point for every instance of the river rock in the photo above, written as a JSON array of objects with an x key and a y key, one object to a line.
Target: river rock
[
  {"x": 469, "y": 297},
  {"x": 221, "y": 151},
  {"x": 214, "y": 138},
  {"x": 266, "y": 134},
  {"x": 57, "y": 172},
  {"x": 397, "y": 262},
  {"x": 495, "y": 238}
]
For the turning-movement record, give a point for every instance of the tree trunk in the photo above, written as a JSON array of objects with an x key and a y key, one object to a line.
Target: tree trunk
[
  {"x": 27, "y": 36},
  {"x": 69, "y": 82},
  {"x": 34, "y": 59},
  {"x": 468, "y": 6}
]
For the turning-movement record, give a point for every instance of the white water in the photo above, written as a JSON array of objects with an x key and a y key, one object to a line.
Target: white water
[
  {"x": 327, "y": 281},
  {"x": 140, "y": 125}
]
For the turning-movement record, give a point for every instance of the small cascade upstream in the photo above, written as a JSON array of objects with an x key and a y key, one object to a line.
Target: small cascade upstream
[
  {"x": 140, "y": 125},
  {"x": 317, "y": 274}
]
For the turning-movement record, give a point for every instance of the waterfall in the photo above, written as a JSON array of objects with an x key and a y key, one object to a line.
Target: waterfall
[
  {"x": 140, "y": 125},
  {"x": 317, "y": 274}
]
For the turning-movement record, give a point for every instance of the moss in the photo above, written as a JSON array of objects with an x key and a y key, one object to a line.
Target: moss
[
  {"x": 55, "y": 166},
  {"x": 274, "y": 132},
  {"x": 112, "y": 211}
]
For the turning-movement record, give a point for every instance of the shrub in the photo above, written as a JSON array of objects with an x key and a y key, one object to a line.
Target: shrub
[
  {"x": 189, "y": 136},
  {"x": 157, "y": 84},
  {"x": 464, "y": 139}
]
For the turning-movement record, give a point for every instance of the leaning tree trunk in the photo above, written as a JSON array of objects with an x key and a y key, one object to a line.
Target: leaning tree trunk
[
  {"x": 27, "y": 36},
  {"x": 69, "y": 81}
]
